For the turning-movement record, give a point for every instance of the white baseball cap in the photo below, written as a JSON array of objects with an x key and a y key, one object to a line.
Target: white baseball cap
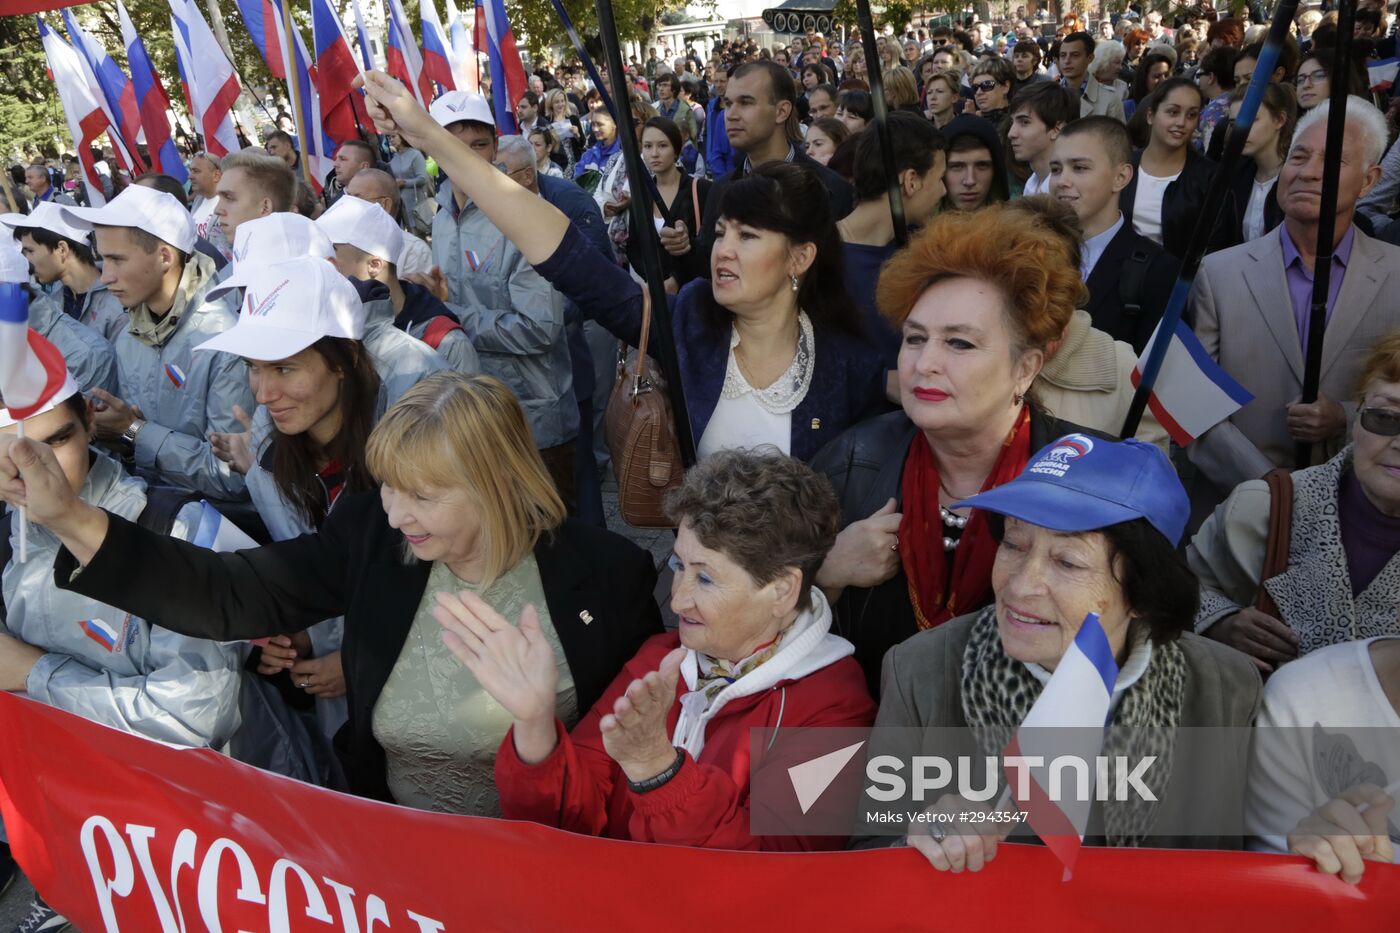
[
  {"x": 456, "y": 106},
  {"x": 155, "y": 212},
  {"x": 47, "y": 216},
  {"x": 364, "y": 225},
  {"x": 288, "y": 306},
  {"x": 273, "y": 238},
  {"x": 14, "y": 268}
]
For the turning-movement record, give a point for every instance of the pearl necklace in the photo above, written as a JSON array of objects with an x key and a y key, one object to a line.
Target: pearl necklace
[{"x": 952, "y": 520}]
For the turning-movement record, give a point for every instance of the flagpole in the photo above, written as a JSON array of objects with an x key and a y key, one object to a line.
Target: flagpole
[
  {"x": 1327, "y": 217},
  {"x": 642, "y": 228},
  {"x": 1207, "y": 218},
  {"x": 23, "y": 510},
  {"x": 295, "y": 91},
  {"x": 882, "y": 126}
]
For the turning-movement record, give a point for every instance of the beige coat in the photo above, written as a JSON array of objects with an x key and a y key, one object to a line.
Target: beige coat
[
  {"x": 1089, "y": 382},
  {"x": 1100, "y": 100}
]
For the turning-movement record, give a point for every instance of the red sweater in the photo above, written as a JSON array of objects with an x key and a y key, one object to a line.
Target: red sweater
[{"x": 581, "y": 789}]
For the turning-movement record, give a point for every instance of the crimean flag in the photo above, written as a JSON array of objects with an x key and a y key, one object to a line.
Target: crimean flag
[
  {"x": 405, "y": 61},
  {"x": 508, "y": 83},
  {"x": 151, "y": 103},
  {"x": 32, "y": 371},
  {"x": 342, "y": 106},
  {"x": 1191, "y": 394},
  {"x": 1381, "y": 75},
  {"x": 86, "y": 120},
  {"x": 211, "y": 80},
  {"x": 114, "y": 92},
  {"x": 439, "y": 60},
  {"x": 1067, "y": 719},
  {"x": 462, "y": 47}
]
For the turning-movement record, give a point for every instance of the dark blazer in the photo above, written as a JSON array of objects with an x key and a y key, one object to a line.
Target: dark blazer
[
  {"x": 1105, "y": 295},
  {"x": 1237, "y": 203},
  {"x": 848, "y": 384},
  {"x": 598, "y": 587},
  {"x": 866, "y": 467},
  {"x": 1182, "y": 202},
  {"x": 696, "y": 263},
  {"x": 839, "y": 190}
]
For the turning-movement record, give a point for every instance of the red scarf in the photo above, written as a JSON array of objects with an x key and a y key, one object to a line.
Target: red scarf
[{"x": 935, "y": 595}]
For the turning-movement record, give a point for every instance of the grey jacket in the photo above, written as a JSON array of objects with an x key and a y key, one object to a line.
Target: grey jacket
[
  {"x": 90, "y": 359},
  {"x": 400, "y": 360},
  {"x": 921, "y": 690},
  {"x": 99, "y": 309},
  {"x": 512, "y": 315},
  {"x": 152, "y": 682},
  {"x": 455, "y": 348},
  {"x": 185, "y": 394}
]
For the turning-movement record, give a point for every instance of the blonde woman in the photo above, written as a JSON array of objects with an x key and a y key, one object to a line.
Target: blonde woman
[
  {"x": 464, "y": 504},
  {"x": 901, "y": 90},
  {"x": 564, "y": 122}
]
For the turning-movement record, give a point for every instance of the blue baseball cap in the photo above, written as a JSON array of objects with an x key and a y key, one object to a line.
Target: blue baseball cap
[{"x": 1080, "y": 483}]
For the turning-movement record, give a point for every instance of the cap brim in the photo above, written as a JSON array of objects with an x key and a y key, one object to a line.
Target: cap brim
[
  {"x": 260, "y": 343},
  {"x": 15, "y": 220},
  {"x": 86, "y": 217},
  {"x": 1050, "y": 506}
]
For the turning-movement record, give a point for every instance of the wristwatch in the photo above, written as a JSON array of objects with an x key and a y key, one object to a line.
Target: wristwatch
[
  {"x": 133, "y": 429},
  {"x": 652, "y": 783}
]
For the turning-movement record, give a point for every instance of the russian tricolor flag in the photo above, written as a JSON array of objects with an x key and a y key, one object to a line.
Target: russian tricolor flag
[
  {"x": 362, "y": 34},
  {"x": 404, "y": 60},
  {"x": 1067, "y": 720},
  {"x": 336, "y": 70},
  {"x": 1191, "y": 394},
  {"x": 508, "y": 83},
  {"x": 264, "y": 22},
  {"x": 118, "y": 96},
  {"x": 439, "y": 60},
  {"x": 100, "y": 632},
  {"x": 152, "y": 104},
  {"x": 33, "y": 373},
  {"x": 86, "y": 120},
  {"x": 466, "y": 73}
]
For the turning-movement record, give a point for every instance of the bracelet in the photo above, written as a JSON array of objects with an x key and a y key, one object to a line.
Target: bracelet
[{"x": 652, "y": 783}]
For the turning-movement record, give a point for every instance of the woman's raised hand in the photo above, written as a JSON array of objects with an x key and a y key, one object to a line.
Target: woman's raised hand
[
  {"x": 235, "y": 449},
  {"x": 395, "y": 110},
  {"x": 635, "y": 732},
  {"x": 516, "y": 665}
]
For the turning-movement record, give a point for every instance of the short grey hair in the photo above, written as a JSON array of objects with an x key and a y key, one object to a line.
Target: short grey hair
[
  {"x": 518, "y": 148},
  {"x": 1362, "y": 115},
  {"x": 1105, "y": 51}
]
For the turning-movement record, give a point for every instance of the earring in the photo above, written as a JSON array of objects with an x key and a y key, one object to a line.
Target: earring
[
  {"x": 795, "y": 283},
  {"x": 1017, "y": 399}
]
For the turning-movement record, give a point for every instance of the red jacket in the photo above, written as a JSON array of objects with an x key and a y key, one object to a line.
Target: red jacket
[{"x": 580, "y": 788}]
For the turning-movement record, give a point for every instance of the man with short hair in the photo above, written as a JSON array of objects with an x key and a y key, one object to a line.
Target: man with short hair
[
  {"x": 170, "y": 397},
  {"x": 670, "y": 106},
  {"x": 36, "y": 179},
  {"x": 821, "y": 101},
  {"x": 760, "y": 118},
  {"x": 379, "y": 187},
  {"x": 353, "y": 157},
  {"x": 1129, "y": 276},
  {"x": 58, "y": 251},
  {"x": 366, "y": 242},
  {"x": 718, "y": 153},
  {"x": 514, "y": 317},
  {"x": 1253, "y": 311},
  {"x": 251, "y": 185},
  {"x": 527, "y": 112},
  {"x": 1039, "y": 112},
  {"x": 280, "y": 145},
  {"x": 1076, "y": 52},
  {"x": 976, "y": 170},
  {"x": 204, "y": 185}
]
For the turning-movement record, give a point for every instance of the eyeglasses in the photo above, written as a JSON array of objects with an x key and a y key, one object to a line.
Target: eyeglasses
[
  {"x": 1381, "y": 421},
  {"x": 984, "y": 87},
  {"x": 1312, "y": 77}
]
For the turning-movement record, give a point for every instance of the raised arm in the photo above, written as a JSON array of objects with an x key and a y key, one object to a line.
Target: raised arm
[{"x": 533, "y": 224}]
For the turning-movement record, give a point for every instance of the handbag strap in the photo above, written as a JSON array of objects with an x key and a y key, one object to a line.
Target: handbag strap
[
  {"x": 640, "y": 373},
  {"x": 1280, "y": 531},
  {"x": 695, "y": 203}
]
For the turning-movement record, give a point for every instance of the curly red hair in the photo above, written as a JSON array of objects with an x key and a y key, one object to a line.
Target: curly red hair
[{"x": 1027, "y": 262}]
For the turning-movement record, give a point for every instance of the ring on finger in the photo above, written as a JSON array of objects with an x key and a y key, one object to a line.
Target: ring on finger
[{"x": 305, "y": 683}]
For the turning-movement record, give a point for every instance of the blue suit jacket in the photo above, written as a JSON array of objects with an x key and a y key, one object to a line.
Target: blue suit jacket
[{"x": 578, "y": 205}]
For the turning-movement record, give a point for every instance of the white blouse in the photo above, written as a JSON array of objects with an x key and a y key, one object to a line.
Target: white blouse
[
  {"x": 1147, "y": 206},
  {"x": 745, "y": 417}
]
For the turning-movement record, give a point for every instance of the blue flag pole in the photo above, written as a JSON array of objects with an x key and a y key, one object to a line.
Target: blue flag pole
[{"x": 1215, "y": 204}]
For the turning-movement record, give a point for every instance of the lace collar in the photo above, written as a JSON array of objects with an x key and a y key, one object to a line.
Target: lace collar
[{"x": 789, "y": 389}]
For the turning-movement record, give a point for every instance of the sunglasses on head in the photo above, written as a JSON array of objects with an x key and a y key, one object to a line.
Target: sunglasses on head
[{"x": 1381, "y": 421}]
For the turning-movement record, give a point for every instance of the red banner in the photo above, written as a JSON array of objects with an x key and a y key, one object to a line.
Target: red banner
[{"x": 119, "y": 833}]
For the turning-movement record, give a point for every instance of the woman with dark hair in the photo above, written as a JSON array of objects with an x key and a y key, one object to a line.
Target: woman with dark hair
[
  {"x": 977, "y": 297},
  {"x": 1154, "y": 68},
  {"x": 813, "y": 76},
  {"x": 1216, "y": 79},
  {"x": 1170, "y": 179},
  {"x": 855, "y": 109},
  {"x": 1314, "y": 80},
  {"x": 824, "y": 137},
  {"x": 769, "y": 346},
  {"x": 1251, "y": 208},
  {"x": 1084, "y": 538},
  {"x": 680, "y": 209}
]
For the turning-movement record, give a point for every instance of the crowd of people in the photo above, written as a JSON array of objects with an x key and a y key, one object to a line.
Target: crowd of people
[{"x": 909, "y": 491}]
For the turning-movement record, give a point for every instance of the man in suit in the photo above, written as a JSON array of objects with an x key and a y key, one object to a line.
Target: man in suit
[
  {"x": 1129, "y": 276},
  {"x": 1076, "y": 52},
  {"x": 1252, "y": 312},
  {"x": 760, "y": 118}
]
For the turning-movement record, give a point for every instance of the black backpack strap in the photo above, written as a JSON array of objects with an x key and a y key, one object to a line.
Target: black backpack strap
[
  {"x": 6, "y": 552},
  {"x": 1131, "y": 280}
]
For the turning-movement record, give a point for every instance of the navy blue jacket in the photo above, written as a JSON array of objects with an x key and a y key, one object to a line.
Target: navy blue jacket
[
  {"x": 578, "y": 205},
  {"x": 848, "y": 383}
]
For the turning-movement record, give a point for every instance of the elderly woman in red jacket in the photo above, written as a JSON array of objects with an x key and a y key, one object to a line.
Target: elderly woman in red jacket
[{"x": 663, "y": 756}]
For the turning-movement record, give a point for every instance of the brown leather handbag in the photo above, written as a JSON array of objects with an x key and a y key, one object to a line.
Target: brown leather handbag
[
  {"x": 641, "y": 434},
  {"x": 1280, "y": 532}
]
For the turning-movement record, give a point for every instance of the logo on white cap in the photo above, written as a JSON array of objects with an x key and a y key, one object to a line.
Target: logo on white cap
[
  {"x": 1057, "y": 459},
  {"x": 255, "y": 307}
]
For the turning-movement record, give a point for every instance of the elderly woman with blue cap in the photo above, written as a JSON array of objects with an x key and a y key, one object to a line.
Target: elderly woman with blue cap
[{"x": 1090, "y": 526}]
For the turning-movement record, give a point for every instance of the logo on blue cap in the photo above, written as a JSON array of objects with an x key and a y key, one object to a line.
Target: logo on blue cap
[{"x": 1056, "y": 461}]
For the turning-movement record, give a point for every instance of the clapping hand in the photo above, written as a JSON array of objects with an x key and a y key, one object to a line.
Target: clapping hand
[
  {"x": 111, "y": 416},
  {"x": 635, "y": 732},
  {"x": 515, "y": 664},
  {"x": 235, "y": 449}
]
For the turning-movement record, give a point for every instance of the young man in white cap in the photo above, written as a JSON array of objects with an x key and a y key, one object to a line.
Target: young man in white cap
[
  {"x": 91, "y": 360},
  {"x": 366, "y": 240},
  {"x": 89, "y": 658},
  {"x": 378, "y": 187},
  {"x": 170, "y": 398},
  {"x": 401, "y": 360},
  {"x": 60, "y": 252},
  {"x": 513, "y": 316}
]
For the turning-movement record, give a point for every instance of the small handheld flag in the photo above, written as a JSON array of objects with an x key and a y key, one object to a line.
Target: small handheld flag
[{"x": 1192, "y": 393}]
